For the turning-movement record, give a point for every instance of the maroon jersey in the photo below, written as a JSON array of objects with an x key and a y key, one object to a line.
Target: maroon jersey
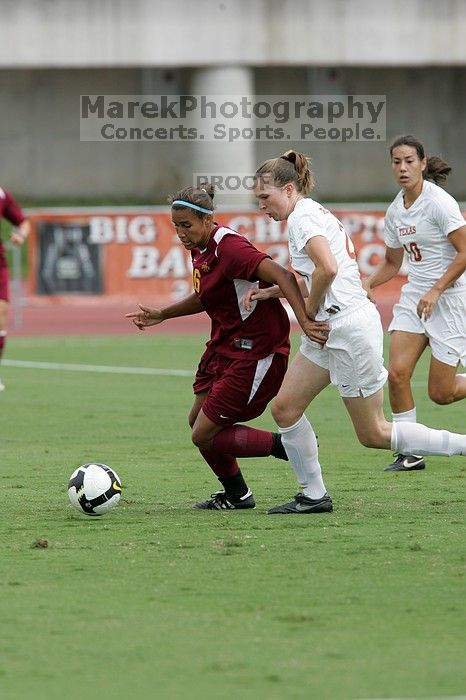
[
  {"x": 10, "y": 210},
  {"x": 222, "y": 274}
]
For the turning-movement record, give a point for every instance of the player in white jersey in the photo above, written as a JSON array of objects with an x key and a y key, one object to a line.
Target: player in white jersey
[
  {"x": 424, "y": 222},
  {"x": 344, "y": 346}
]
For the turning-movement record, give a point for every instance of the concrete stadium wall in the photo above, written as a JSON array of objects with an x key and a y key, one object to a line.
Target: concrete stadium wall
[
  {"x": 42, "y": 156},
  {"x": 89, "y": 33}
]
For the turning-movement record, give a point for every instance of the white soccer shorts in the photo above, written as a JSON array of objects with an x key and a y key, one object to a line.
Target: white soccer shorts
[
  {"x": 445, "y": 329},
  {"x": 353, "y": 353}
]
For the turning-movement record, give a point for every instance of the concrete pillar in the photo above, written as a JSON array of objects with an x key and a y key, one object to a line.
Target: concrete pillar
[{"x": 228, "y": 161}]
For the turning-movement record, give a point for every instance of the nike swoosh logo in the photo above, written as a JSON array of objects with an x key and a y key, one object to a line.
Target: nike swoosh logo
[
  {"x": 408, "y": 463},
  {"x": 116, "y": 487},
  {"x": 301, "y": 507}
]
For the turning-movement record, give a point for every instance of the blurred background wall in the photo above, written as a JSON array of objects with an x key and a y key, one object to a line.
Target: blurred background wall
[{"x": 52, "y": 51}]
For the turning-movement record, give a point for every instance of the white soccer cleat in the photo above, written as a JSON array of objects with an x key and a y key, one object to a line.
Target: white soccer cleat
[{"x": 2, "y": 386}]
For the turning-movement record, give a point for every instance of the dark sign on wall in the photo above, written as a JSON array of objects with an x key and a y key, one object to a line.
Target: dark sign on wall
[{"x": 68, "y": 263}]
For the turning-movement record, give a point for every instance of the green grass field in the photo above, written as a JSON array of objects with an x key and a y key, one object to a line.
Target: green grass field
[{"x": 156, "y": 600}]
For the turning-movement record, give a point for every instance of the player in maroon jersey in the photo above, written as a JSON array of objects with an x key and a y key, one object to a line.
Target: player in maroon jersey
[
  {"x": 10, "y": 210},
  {"x": 246, "y": 357}
]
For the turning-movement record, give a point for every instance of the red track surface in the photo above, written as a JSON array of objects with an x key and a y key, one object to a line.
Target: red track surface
[
  {"x": 71, "y": 316},
  {"x": 91, "y": 318}
]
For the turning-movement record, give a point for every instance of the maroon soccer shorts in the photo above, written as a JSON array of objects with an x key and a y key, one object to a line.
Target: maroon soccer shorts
[
  {"x": 238, "y": 390},
  {"x": 3, "y": 281}
]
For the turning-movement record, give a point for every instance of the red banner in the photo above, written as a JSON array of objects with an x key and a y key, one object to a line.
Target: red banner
[{"x": 136, "y": 253}]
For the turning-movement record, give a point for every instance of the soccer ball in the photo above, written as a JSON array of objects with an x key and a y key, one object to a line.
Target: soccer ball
[{"x": 94, "y": 489}]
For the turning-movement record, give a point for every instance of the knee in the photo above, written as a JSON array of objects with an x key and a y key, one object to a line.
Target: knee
[
  {"x": 368, "y": 440},
  {"x": 398, "y": 376},
  {"x": 199, "y": 439},
  {"x": 283, "y": 414},
  {"x": 441, "y": 396},
  {"x": 375, "y": 437}
]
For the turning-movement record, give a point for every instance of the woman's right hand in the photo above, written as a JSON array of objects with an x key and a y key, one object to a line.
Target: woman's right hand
[
  {"x": 256, "y": 294},
  {"x": 146, "y": 317}
]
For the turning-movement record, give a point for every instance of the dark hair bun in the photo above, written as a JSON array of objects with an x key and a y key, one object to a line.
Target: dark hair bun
[{"x": 207, "y": 188}]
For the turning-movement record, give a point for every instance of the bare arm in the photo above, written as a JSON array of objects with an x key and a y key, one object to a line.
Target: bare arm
[
  {"x": 147, "y": 316},
  {"x": 270, "y": 271},
  {"x": 387, "y": 270},
  {"x": 256, "y": 294},
  {"x": 454, "y": 270},
  {"x": 21, "y": 232},
  {"x": 325, "y": 271}
]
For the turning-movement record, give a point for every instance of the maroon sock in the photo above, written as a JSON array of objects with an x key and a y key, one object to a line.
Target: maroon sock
[
  {"x": 2, "y": 341},
  {"x": 222, "y": 465},
  {"x": 242, "y": 441}
]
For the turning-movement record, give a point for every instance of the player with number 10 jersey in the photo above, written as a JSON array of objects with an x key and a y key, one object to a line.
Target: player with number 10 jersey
[
  {"x": 422, "y": 230},
  {"x": 424, "y": 223}
]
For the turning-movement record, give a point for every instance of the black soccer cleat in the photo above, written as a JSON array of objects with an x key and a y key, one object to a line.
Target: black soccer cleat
[
  {"x": 303, "y": 504},
  {"x": 406, "y": 463},
  {"x": 220, "y": 501}
]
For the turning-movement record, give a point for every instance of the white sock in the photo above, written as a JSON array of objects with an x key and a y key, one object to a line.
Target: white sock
[
  {"x": 415, "y": 438},
  {"x": 300, "y": 443},
  {"x": 405, "y": 417}
]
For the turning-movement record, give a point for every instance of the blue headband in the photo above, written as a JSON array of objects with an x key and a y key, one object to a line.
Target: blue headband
[{"x": 192, "y": 206}]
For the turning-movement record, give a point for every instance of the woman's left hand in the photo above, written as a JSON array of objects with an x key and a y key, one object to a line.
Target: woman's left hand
[
  {"x": 317, "y": 331},
  {"x": 426, "y": 304}
]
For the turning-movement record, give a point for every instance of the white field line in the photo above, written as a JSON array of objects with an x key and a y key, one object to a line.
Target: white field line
[
  {"x": 424, "y": 697},
  {"x": 106, "y": 369}
]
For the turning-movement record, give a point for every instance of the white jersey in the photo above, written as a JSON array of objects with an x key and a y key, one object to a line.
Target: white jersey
[
  {"x": 422, "y": 230},
  {"x": 310, "y": 219}
]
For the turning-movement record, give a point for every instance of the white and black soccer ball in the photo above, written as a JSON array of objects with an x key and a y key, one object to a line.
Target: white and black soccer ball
[{"x": 94, "y": 489}]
